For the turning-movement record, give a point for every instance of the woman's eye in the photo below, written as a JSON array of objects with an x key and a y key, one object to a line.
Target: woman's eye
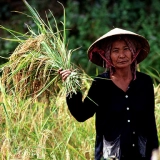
[
  {"x": 126, "y": 48},
  {"x": 115, "y": 51}
]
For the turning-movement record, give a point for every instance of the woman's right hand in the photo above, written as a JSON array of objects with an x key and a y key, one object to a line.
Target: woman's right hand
[{"x": 64, "y": 73}]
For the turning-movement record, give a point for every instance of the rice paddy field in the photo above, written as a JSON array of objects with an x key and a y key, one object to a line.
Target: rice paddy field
[
  {"x": 41, "y": 131},
  {"x": 35, "y": 123},
  {"x": 46, "y": 130}
]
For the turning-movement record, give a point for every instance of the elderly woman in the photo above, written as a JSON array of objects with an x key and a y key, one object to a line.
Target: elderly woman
[{"x": 122, "y": 98}]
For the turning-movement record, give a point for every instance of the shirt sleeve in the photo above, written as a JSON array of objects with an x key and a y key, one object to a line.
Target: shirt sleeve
[{"x": 83, "y": 110}]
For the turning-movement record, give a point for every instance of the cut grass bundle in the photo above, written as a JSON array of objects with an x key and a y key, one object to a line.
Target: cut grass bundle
[{"x": 32, "y": 68}]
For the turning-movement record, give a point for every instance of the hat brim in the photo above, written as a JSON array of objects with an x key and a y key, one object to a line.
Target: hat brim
[{"x": 96, "y": 58}]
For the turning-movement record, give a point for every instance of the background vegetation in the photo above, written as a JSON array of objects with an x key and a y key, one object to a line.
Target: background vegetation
[
  {"x": 88, "y": 20},
  {"x": 42, "y": 131}
]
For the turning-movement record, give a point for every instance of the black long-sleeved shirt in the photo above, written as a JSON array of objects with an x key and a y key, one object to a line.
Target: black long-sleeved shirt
[{"x": 125, "y": 121}]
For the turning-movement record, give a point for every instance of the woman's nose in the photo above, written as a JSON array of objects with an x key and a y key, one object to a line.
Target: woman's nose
[{"x": 121, "y": 54}]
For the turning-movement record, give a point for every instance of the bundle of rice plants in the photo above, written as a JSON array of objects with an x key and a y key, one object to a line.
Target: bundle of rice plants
[{"x": 31, "y": 70}]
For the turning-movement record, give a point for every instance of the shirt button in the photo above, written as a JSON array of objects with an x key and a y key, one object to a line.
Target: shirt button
[
  {"x": 127, "y": 108},
  {"x": 128, "y": 121},
  {"x": 133, "y": 145},
  {"x": 126, "y": 96},
  {"x": 133, "y": 132}
]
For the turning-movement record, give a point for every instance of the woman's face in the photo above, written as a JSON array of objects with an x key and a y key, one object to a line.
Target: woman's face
[{"x": 121, "y": 56}]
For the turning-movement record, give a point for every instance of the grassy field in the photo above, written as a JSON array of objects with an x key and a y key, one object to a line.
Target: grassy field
[{"x": 47, "y": 130}]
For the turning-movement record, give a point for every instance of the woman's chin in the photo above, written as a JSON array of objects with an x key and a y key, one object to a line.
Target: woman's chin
[{"x": 123, "y": 65}]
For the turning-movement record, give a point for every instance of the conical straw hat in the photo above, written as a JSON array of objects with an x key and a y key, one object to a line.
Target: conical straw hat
[{"x": 97, "y": 59}]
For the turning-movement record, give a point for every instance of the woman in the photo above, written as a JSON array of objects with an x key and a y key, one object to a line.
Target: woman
[{"x": 122, "y": 98}]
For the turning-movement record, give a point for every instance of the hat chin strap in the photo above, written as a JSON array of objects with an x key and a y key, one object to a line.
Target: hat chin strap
[
  {"x": 108, "y": 63},
  {"x": 134, "y": 57}
]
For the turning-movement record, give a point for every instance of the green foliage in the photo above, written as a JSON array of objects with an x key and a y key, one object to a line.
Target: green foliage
[{"x": 89, "y": 20}]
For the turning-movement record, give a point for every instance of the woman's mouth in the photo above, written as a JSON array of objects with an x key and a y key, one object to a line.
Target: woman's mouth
[{"x": 122, "y": 62}]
